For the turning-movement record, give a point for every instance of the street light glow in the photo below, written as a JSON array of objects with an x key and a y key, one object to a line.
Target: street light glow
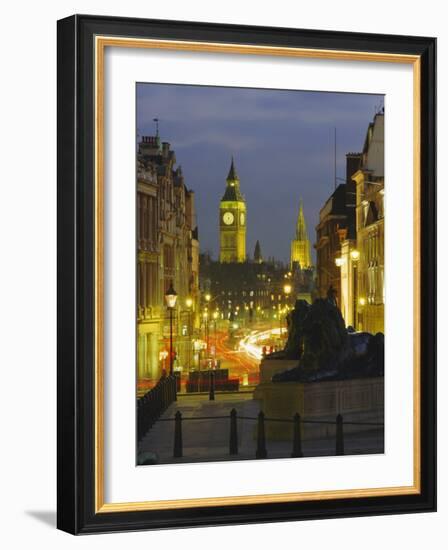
[
  {"x": 287, "y": 289},
  {"x": 354, "y": 254},
  {"x": 171, "y": 297}
]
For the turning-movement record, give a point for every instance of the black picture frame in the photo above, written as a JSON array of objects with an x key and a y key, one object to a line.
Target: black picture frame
[{"x": 76, "y": 255}]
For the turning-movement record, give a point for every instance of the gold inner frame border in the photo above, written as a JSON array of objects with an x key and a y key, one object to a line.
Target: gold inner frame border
[{"x": 101, "y": 42}]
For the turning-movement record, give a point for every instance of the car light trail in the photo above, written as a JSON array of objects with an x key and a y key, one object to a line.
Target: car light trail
[{"x": 253, "y": 344}]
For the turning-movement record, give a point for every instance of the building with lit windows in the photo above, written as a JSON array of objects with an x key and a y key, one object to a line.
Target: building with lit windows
[
  {"x": 336, "y": 223},
  {"x": 361, "y": 257},
  {"x": 369, "y": 180},
  {"x": 347, "y": 257},
  {"x": 167, "y": 253},
  {"x": 247, "y": 292}
]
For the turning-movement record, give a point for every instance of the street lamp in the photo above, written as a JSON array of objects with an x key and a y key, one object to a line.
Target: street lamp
[
  {"x": 205, "y": 315},
  {"x": 189, "y": 304},
  {"x": 162, "y": 356},
  {"x": 215, "y": 318},
  {"x": 171, "y": 298},
  {"x": 354, "y": 255},
  {"x": 287, "y": 289}
]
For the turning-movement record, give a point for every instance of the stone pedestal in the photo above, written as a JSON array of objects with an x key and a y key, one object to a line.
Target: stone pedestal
[
  {"x": 358, "y": 400},
  {"x": 269, "y": 367}
]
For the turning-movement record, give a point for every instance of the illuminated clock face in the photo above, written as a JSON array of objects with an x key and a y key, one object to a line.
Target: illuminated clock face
[
  {"x": 242, "y": 218},
  {"x": 228, "y": 218}
]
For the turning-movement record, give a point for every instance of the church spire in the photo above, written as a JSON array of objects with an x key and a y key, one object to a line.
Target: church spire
[
  {"x": 300, "y": 246},
  {"x": 258, "y": 258}
]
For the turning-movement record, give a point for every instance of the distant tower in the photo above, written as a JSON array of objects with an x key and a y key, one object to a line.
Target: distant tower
[
  {"x": 258, "y": 258},
  {"x": 232, "y": 221},
  {"x": 300, "y": 246}
]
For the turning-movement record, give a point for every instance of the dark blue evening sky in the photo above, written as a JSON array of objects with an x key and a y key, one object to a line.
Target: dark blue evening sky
[{"x": 282, "y": 142}]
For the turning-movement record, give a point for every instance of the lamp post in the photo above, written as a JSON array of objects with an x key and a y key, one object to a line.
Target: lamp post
[
  {"x": 205, "y": 315},
  {"x": 354, "y": 255},
  {"x": 215, "y": 317},
  {"x": 287, "y": 289},
  {"x": 207, "y": 301},
  {"x": 171, "y": 298},
  {"x": 189, "y": 304}
]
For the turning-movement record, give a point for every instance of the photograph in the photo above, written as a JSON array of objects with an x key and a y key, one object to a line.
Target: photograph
[{"x": 260, "y": 273}]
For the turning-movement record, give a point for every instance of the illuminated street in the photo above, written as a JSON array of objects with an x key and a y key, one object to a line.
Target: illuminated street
[
  {"x": 239, "y": 363},
  {"x": 243, "y": 359}
]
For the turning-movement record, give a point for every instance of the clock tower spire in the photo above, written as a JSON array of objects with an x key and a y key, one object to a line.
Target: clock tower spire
[{"x": 232, "y": 221}]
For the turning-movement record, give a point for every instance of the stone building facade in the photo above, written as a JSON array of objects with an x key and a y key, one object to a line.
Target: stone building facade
[
  {"x": 361, "y": 257},
  {"x": 336, "y": 218},
  {"x": 369, "y": 181},
  {"x": 167, "y": 252}
]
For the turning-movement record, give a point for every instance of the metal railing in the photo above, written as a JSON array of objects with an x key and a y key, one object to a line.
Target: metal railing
[
  {"x": 154, "y": 403},
  {"x": 261, "y": 449}
]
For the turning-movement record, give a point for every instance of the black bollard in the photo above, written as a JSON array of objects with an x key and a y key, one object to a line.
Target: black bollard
[
  {"x": 168, "y": 392},
  {"x": 152, "y": 408},
  {"x": 211, "y": 395},
  {"x": 157, "y": 401},
  {"x": 261, "y": 438},
  {"x": 233, "y": 440},
  {"x": 167, "y": 387},
  {"x": 140, "y": 418},
  {"x": 177, "y": 453},
  {"x": 297, "y": 441},
  {"x": 339, "y": 435},
  {"x": 162, "y": 396}
]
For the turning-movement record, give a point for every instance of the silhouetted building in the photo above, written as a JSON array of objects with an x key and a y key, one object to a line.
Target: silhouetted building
[
  {"x": 246, "y": 292},
  {"x": 334, "y": 221},
  {"x": 258, "y": 257}
]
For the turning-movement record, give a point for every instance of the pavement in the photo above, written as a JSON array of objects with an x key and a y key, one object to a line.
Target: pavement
[{"x": 208, "y": 440}]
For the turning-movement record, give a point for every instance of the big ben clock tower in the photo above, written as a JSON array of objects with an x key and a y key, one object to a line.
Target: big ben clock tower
[{"x": 232, "y": 221}]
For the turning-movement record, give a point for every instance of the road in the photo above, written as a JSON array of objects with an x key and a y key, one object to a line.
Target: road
[
  {"x": 242, "y": 357},
  {"x": 239, "y": 363}
]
